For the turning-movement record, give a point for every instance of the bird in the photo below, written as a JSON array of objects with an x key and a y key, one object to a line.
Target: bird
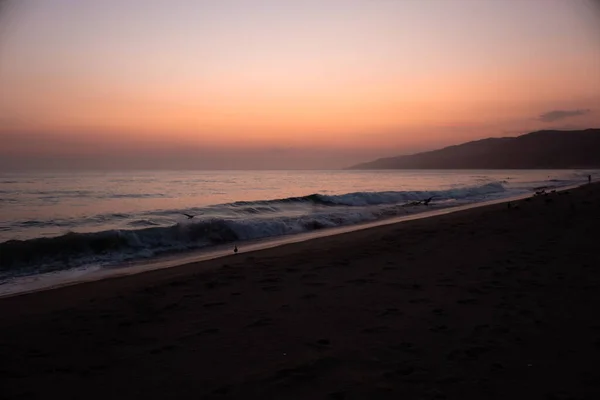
[
  {"x": 188, "y": 215},
  {"x": 235, "y": 249},
  {"x": 427, "y": 201}
]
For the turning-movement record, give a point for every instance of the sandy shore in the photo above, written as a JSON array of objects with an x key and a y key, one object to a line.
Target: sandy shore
[{"x": 487, "y": 303}]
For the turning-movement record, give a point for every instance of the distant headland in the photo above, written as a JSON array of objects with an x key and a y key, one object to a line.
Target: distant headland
[{"x": 547, "y": 149}]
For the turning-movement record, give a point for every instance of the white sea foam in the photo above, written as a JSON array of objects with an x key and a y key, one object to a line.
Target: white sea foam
[{"x": 115, "y": 237}]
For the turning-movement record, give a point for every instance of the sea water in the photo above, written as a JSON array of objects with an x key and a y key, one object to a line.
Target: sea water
[{"x": 61, "y": 221}]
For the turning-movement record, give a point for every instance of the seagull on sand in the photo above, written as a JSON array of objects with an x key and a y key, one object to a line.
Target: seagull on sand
[{"x": 235, "y": 249}]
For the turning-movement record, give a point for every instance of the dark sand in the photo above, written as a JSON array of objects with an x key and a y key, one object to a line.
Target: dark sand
[{"x": 488, "y": 303}]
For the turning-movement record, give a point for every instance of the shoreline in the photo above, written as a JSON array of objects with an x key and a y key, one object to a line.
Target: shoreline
[{"x": 44, "y": 282}]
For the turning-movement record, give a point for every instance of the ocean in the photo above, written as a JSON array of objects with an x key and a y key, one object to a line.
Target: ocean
[{"x": 78, "y": 221}]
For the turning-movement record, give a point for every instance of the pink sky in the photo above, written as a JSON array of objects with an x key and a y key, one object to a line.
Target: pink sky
[{"x": 285, "y": 84}]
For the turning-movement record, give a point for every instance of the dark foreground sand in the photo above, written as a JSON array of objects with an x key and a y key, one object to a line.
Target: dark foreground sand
[{"x": 489, "y": 303}]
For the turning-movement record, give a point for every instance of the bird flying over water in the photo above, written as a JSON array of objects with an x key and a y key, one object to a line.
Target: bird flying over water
[{"x": 188, "y": 215}]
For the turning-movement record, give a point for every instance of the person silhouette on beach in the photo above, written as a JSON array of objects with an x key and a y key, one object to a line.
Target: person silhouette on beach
[{"x": 589, "y": 179}]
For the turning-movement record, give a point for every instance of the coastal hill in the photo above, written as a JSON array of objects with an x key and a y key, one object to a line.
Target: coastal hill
[{"x": 549, "y": 149}]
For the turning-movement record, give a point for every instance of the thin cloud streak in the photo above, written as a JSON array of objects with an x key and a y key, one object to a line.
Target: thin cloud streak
[{"x": 557, "y": 115}]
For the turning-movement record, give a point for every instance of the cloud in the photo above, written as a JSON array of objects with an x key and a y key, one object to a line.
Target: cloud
[{"x": 557, "y": 115}]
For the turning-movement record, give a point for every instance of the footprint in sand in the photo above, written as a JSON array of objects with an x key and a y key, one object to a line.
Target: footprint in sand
[
  {"x": 170, "y": 307},
  {"x": 321, "y": 344},
  {"x": 376, "y": 329},
  {"x": 260, "y": 322},
  {"x": 315, "y": 283},
  {"x": 213, "y": 304},
  {"x": 236, "y": 277},
  {"x": 269, "y": 280},
  {"x": 223, "y": 390},
  {"x": 419, "y": 300},
  {"x": 214, "y": 284},
  {"x": 439, "y": 329},
  {"x": 360, "y": 281},
  {"x": 390, "y": 311}
]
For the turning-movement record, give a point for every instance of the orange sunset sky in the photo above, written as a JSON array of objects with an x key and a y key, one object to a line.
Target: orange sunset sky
[{"x": 285, "y": 84}]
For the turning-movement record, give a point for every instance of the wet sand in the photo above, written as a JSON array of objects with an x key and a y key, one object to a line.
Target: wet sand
[{"x": 487, "y": 303}]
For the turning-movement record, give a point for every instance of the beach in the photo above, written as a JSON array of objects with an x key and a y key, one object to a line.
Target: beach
[{"x": 493, "y": 302}]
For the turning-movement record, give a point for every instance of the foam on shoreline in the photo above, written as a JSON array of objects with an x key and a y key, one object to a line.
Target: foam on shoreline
[{"x": 48, "y": 281}]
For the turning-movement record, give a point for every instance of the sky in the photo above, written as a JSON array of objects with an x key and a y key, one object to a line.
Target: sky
[{"x": 271, "y": 84}]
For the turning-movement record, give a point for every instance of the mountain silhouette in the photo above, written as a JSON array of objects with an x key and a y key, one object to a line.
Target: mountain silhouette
[{"x": 547, "y": 149}]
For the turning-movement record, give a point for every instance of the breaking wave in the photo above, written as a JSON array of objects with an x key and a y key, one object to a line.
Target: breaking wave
[
  {"x": 259, "y": 219},
  {"x": 377, "y": 198}
]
